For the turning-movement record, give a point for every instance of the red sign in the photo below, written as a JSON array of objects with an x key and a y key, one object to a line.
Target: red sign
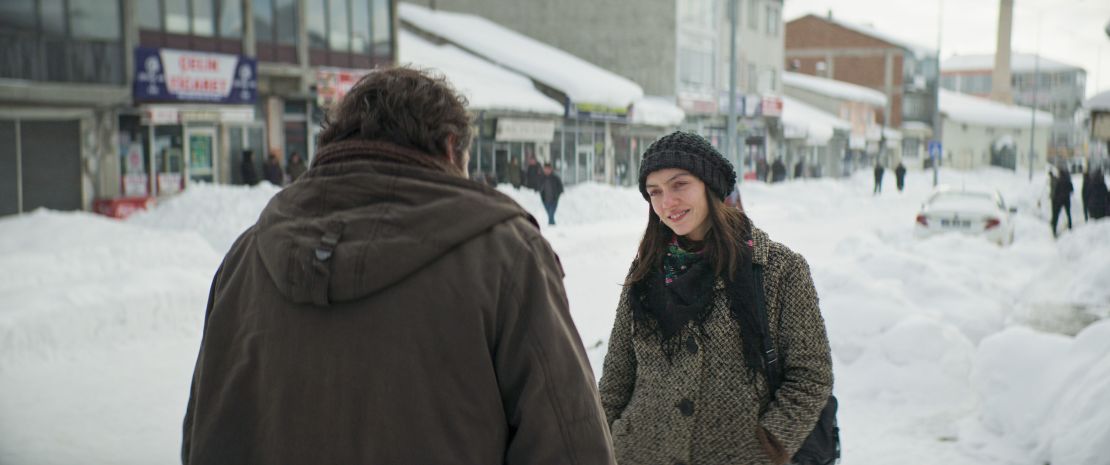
[
  {"x": 122, "y": 207},
  {"x": 772, "y": 105},
  {"x": 332, "y": 84}
]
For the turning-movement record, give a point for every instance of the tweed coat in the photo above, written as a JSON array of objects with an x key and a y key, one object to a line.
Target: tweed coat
[{"x": 704, "y": 406}]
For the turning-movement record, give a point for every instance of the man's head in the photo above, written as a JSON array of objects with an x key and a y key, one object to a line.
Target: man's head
[
  {"x": 407, "y": 107},
  {"x": 547, "y": 169},
  {"x": 275, "y": 154}
]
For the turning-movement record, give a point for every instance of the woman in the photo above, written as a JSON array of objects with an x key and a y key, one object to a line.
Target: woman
[{"x": 683, "y": 380}]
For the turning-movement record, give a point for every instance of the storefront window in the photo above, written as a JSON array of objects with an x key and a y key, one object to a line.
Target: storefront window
[
  {"x": 204, "y": 23},
  {"x": 168, "y": 150},
  {"x": 360, "y": 26},
  {"x": 148, "y": 13},
  {"x": 177, "y": 16},
  {"x": 339, "y": 38},
  {"x": 317, "y": 23},
  {"x": 231, "y": 19},
  {"x": 53, "y": 17},
  {"x": 383, "y": 26},
  {"x": 285, "y": 15},
  {"x": 263, "y": 20},
  {"x": 18, "y": 15}
]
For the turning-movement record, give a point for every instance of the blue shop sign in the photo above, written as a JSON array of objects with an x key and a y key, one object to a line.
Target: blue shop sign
[{"x": 167, "y": 75}]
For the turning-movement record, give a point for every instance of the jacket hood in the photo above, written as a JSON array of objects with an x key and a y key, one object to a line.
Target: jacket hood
[{"x": 350, "y": 228}]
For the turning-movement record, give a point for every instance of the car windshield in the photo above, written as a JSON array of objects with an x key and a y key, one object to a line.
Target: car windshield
[{"x": 963, "y": 201}]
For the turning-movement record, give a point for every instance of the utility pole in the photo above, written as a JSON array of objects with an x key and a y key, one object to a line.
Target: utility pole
[
  {"x": 730, "y": 135},
  {"x": 936, "y": 95},
  {"x": 1033, "y": 111}
]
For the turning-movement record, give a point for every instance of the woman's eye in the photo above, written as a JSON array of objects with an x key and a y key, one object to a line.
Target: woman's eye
[{"x": 653, "y": 193}]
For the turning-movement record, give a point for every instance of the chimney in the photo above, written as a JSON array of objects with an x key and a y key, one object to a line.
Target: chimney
[{"x": 1000, "y": 78}]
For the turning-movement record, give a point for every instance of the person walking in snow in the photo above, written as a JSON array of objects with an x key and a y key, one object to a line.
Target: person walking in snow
[
  {"x": 296, "y": 166},
  {"x": 1061, "y": 197},
  {"x": 515, "y": 174},
  {"x": 271, "y": 169},
  {"x": 878, "y": 178},
  {"x": 778, "y": 171},
  {"x": 683, "y": 380},
  {"x": 799, "y": 169},
  {"x": 533, "y": 174},
  {"x": 385, "y": 309},
  {"x": 900, "y": 176},
  {"x": 246, "y": 168},
  {"x": 551, "y": 188},
  {"x": 1098, "y": 198}
]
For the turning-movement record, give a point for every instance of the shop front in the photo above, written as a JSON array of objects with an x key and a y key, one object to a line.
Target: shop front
[{"x": 194, "y": 117}]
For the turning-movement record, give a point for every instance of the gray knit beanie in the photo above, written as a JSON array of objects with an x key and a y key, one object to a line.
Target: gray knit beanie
[{"x": 692, "y": 153}]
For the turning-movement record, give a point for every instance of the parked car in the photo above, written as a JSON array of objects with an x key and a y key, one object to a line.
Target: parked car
[{"x": 971, "y": 212}]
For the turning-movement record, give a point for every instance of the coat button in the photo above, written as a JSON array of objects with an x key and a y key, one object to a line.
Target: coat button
[
  {"x": 691, "y": 345},
  {"x": 686, "y": 406}
]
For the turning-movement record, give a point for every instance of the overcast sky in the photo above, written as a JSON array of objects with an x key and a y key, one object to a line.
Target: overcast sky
[{"x": 1071, "y": 31}]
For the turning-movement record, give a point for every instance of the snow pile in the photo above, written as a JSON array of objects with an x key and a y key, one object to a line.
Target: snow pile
[
  {"x": 582, "y": 81},
  {"x": 485, "y": 85},
  {"x": 969, "y": 109},
  {"x": 585, "y": 203},
  {"x": 657, "y": 111},
  {"x": 219, "y": 213},
  {"x": 833, "y": 88},
  {"x": 1040, "y": 397}
]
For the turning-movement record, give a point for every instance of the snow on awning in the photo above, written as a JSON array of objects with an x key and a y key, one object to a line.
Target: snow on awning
[
  {"x": 580, "y": 80},
  {"x": 486, "y": 85},
  {"x": 802, "y": 120},
  {"x": 969, "y": 109},
  {"x": 657, "y": 111},
  {"x": 1019, "y": 63},
  {"x": 833, "y": 88}
]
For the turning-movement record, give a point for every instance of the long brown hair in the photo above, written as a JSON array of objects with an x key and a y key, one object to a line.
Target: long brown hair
[{"x": 724, "y": 247}]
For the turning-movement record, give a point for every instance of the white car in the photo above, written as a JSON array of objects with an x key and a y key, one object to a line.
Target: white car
[{"x": 966, "y": 211}]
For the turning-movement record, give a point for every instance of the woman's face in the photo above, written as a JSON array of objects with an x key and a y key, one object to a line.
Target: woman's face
[{"x": 678, "y": 197}]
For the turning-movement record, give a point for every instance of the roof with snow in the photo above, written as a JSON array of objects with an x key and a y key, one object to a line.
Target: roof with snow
[
  {"x": 1099, "y": 102},
  {"x": 486, "y": 85},
  {"x": 833, "y": 88},
  {"x": 968, "y": 109},
  {"x": 802, "y": 120},
  {"x": 1019, "y": 63},
  {"x": 657, "y": 111},
  {"x": 580, "y": 80}
]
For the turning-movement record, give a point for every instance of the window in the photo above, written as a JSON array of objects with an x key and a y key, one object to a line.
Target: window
[
  {"x": 772, "y": 21},
  {"x": 231, "y": 19},
  {"x": 753, "y": 78},
  {"x": 382, "y": 28},
  {"x": 204, "y": 23},
  {"x": 360, "y": 27},
  {"x": 177, "y": 16},
  {"x": 317, "y": 23},
  {"x": 339, "y": 37},
  {"x": 696, "y": 68},
  {"x": 753, "y": 14},
  {"x": 285, "y": 22},
  {"x": 18, "y": 15},
  {"x": 263, "y": 13},
  {"x": 62, "y": 40},
  {"x": 148, "y": 14}
]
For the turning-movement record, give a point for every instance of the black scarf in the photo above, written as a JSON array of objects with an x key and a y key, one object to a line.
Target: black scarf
[{"x": 665, "y": 310}]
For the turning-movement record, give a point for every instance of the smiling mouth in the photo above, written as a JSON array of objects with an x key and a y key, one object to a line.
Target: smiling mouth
[{"x": 678, "y": 216}]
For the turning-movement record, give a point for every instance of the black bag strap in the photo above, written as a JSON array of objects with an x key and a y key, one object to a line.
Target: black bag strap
[{"x": 771, "y": 363}]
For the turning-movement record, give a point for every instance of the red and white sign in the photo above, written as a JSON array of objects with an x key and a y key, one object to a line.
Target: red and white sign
[
  {"x": 200, "y": 75},
  {"x": 772, "y": 105},
  {"x": 332, "y": 84}
]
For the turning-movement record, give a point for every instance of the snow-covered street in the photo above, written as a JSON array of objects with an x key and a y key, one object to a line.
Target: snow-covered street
[{"x": 947, "y": 351}]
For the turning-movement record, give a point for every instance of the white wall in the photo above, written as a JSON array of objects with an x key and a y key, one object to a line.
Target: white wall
[{"x": 968, "y": 146}]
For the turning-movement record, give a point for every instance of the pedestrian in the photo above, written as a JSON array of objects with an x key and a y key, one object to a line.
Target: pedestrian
[
  {"x": 271, "y": 170},
  {"x": 1085, "y": 194},
  {"x": 515, "y": 175},
  {"x": 900, "y": 176},
  {"x": 551, "y": 188},
  {"x": 533, "y": 174},
  {"x": 348, "y": 325},
  {"x": 778, "y": 171},
  {"x": 799, "y": 169},
  {"x": 246, "y": 168},
  {"x": 296, "y": 167},
  {"x": 683, "y": 380},
  {"x": 1098, "y": 202},
  {"x": 1061, "y": 197},
  {"x": 878, "y": 178}
]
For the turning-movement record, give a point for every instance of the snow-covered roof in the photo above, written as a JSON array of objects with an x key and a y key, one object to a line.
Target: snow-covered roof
[
  {"x": 582, "y": 81},
  {"x": 1019, "y": 63},
  {"x": 486, "y": 85},
  {"x": 919, "y": 50},
  {"x": 1098, "y": 102},
  {"x": 833, "y": 88},
  {"x": 657, "y": 111},
  {"x": 916, "y": 126},
  {"x": 980, "y": 111},
  {"x": 802, "y": 120}
]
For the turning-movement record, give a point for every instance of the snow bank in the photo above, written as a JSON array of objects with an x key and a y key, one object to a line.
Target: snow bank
[
  {"x": 1039, "y": 393},
  {"x": 218, "y": 213}
]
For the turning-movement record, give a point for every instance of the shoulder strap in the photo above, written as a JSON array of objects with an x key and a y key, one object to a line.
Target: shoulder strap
[{"x": 770, "y": 355}]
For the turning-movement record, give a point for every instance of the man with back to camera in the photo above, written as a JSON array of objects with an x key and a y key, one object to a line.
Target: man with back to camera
[{"x": 384, "y": 309}]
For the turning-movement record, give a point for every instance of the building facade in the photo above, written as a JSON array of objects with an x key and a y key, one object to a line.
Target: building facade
[
  {"x": 904, "y": 72},
  {"x": 1049, "y": 85},
  {"x": 109, "y": 99},
  {"x": 675, "y": 49}
]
